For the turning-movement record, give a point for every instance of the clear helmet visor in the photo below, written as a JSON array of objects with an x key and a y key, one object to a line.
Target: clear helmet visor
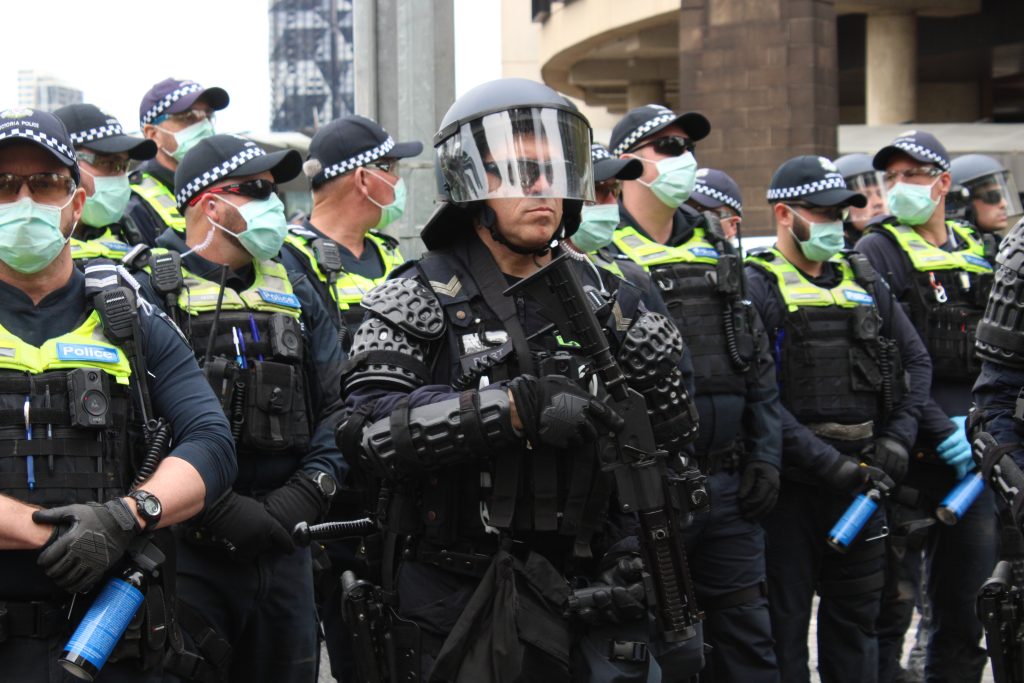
[
  {"x": 528, "y": 152},
  {"x": 995, "y": 200},
  {"x": 872, "y": 186}
]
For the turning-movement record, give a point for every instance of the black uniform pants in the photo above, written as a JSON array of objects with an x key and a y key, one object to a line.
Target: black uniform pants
[
  {"x": 849, "y": 585},
  {"x": 34, "y": 660}
]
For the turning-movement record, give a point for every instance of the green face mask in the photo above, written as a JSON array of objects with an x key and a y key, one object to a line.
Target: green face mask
[
  {"x": 187, "y": 138},
  {"x": 389, "y": 213},
  {"x": 675, "y": 181},
  {"x": 825, "y": 240},
  {"x": 30, "y": 236},
  {"x": 912, "y": 204},
  {"x": 597, "y": 226},
  {"x": 265, "y": 226},
  {"x": 108, "y": 200}
]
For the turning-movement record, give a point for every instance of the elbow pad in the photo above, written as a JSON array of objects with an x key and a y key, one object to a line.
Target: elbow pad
[
  {"x": 649, "y": 358},
  {"x": 412, "y": 441},
  {"x": 391, "y": 348}
]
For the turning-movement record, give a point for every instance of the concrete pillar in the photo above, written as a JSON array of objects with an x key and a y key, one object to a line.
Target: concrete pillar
[
  {"x": 407, "y": 79},
  {"x": 639, "y": 93},
  {"x": 891, "y": 68}
]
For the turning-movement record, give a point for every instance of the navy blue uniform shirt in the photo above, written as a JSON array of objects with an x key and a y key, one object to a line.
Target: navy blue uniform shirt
[{"x": 145, "y": 219}]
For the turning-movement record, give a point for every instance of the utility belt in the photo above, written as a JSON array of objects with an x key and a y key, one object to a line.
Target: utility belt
[
  {"x": 473, "y": 560},
  {"x": 726, "y": 459},
  {"x": 40, "y": 619}
]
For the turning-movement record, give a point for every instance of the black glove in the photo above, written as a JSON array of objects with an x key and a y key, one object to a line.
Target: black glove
[
  {"x": 849, "y": 476},
  {"x": 890, "y": 456},
  {"x": 243, "y": 526},
  {"x": 557, "y": 412},
  {"x": 759, "y": 489},
  {"x": 617, "y": 597},
  {"x": 88, "y": 539},
  {"x": 297, "y": 501}
]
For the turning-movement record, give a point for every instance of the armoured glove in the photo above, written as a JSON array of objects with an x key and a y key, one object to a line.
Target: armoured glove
[
  {"x": 955, "y": 450},
  {"x": 890, "y": 456},
  {"x": 617, "y": 597},
  {"x": 299, "y": 500},
  {"x": 759, "y": 489},
  {"x": 557, "y": 412},
  {"x": 88, "y": 539},
  {"x": 849, "y": 476},
  {"x": 244, "y": 527}
]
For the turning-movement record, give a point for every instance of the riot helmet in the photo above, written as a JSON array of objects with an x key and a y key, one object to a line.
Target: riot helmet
[
  {"x": 861, "y": 176},
  {"x": 509, "y": 138},
  {"x": 984, "y": 193}
]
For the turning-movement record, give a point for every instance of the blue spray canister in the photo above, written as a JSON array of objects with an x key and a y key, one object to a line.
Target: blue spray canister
[
  {"x": 107, "y": 619},
  {"x": 958, "y": 501},
  {"x": 853, "y": 520}
]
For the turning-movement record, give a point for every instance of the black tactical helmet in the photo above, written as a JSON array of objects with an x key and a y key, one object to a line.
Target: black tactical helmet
[
  {"x": 509, "y": 138},
  {"x": 977, "y": 177}
]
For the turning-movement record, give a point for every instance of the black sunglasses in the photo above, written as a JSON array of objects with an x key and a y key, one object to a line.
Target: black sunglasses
[
  {"x": 257, "y": 188},
  {"x": 992, "y": 197},
  {"x": 48, "y": 188},
  {"x": 670, "y": 145}
]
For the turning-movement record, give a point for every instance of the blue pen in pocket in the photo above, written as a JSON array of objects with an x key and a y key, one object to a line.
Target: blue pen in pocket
[
  {"x": 255, "y": 333},
  {"x": 30, "y": 464}
]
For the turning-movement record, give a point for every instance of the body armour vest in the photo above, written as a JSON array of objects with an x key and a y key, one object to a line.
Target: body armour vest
[
  {"x": 161, "y": 200},
  {"x": 1001, "y": 330},
  {"x": 831, "y": 359},
  {"x": 106, "y": 246},
  {"x": 348, "y": 288},
  {"x": 68, "y": 429},
  {"x": 562, "y": 495},
  {"x": 702, "y": 289},
  {"x": 255, "y": 364},
  {"x": 948, "y": 296}
]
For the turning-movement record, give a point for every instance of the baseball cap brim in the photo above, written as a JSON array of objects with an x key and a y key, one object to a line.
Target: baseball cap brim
[
  {"x": 284, "y": 165},
  {"x": 836, "y": 198},
  {"x": 217, "y": 98},
  {"x": 139, "y": 149},
  {"x": 404, "y": 150},
  {"x": 694, "y": 124},
  {"x": 622, "y": 169}
]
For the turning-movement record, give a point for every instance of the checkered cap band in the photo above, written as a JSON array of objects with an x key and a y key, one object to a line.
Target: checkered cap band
[
  {"x": 109, "y": 130},
  {"x": 39, "y": 136},
  {"x": 196, "y": 185},
  {"x": 719, "y": 195},
  {"x": 360, "y": 159},
  {"x": 916, "y": 149},
  {"x": 777, "y": 193},
  {"x": 643, "y": 130},
  {"x": 169, "y": 99},
  {"x": 599, "y": 153}
]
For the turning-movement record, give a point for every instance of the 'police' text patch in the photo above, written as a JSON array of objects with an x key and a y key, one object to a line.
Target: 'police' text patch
[
  {"x": 87, "y": 352},
  {"x": 279, "y": 298}
]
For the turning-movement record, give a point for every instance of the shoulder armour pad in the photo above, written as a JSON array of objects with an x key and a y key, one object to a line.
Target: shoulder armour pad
[
  {"x": 650, "y": 349},
  {"x": 407, "y": 305},
  {"x": 862, "y": 268}
]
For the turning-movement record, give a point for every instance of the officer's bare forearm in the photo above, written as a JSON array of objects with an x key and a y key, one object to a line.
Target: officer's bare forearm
[
  {"x": 180, "y": 489},
  {"x": 18, "y": 531}
]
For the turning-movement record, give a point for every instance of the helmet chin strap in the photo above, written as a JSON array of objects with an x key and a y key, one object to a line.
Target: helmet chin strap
[{"x": 489, "y": 220}]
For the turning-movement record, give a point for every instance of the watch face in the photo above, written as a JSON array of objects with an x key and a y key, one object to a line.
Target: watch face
[
  {"x": 326, "y": 484},
  {"x": 151, "y": 506}
]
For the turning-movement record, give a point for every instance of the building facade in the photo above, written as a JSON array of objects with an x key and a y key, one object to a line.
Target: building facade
[{"x": 42, "y": 91}]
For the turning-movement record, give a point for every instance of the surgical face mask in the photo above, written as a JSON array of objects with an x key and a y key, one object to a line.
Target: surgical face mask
[
  {"x": 187, "y": 138},
  {"x": 265, "y": 226},
  {"x": 30, "y": 235},
  {"x": 389, "y": 213},
  {"x": 675, "y": 181},
  {"x": 825, "y": 240},
  {"x": 912, "y": 204},
  {"x": 108, "y": 201},
  {"x": 597, "y": 226}
]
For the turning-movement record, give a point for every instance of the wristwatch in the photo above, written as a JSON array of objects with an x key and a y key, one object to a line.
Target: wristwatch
[
  {"x": 148, "y": 506},
  {"x": 325, "y": 482}
]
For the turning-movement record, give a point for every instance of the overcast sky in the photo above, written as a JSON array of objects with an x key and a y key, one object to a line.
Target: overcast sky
[{"x": 114, "y": 50}]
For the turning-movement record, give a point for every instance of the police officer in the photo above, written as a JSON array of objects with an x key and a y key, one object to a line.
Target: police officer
[
  {"x": 353, "y": 167},
  {"x": 841, "y": 347},
  {"x": 484, "y": 486},
  {"x": 176, "y": 115},
  {"x": 268, "y": 347},
  {"x": 989, "y": 199},
  {"x": 715, "y": 192},
  {"x": 940, "y": 271},
  {"x": 73, "y": 389},
  {"x": 862, "y": 177},
  {"x": 700, "y": 278},
  {"x": 104, "y": 154}
]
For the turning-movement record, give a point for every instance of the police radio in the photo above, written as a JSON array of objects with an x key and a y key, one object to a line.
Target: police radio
[
  {"x": 165, "y": 273},
  {"x": 89, "y": 391},
  {"x": 327, "y": 256}
]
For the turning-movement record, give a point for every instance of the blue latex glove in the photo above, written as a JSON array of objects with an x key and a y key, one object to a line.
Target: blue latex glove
[{"x": 955, "y": 450}]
